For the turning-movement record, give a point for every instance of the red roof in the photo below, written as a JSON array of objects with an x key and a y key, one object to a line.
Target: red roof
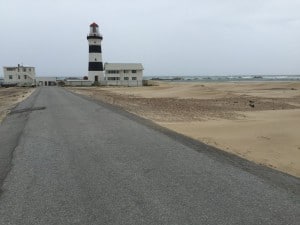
[{"x": 94, "y": 25}]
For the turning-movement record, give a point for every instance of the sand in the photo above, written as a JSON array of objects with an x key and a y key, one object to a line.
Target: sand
[
  {"x": 9, "y": 97},
  {"x": 268, "y": 137},
  {"x": 259, "y": 121}
]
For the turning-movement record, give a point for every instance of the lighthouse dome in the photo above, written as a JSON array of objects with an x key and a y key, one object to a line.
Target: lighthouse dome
[{"x": 94, "y": 25}]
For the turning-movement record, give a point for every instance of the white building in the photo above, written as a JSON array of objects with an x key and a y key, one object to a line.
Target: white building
[
  {"x": 124, "y": 74},
  {"x": 46, "y": 81},
  {"x": 20, "y": 75}
]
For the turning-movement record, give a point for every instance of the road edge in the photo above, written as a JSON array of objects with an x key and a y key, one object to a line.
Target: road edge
[
  {"x": 15, "y": 123},
  {"x": 273, "y": 177}
]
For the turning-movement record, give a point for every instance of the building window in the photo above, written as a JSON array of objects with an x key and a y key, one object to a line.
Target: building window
[
  {"x": 25, "y": 77},
  {"x": 24, "y": 69},
  {"x": 19, "y": 77},
  {"x": 113, "y": 71},
  {"x": 126, "y": 71},
  {"x": 133, "y": 71},
  {"x": 10, "y": 77},
  {"x": 126, "y": 78},
  {"x": 10, "y": 69},
  {"x": 113, "y": 78},
  {"x": 133, "y": 78},
  {"x": 29, "y": 69}
]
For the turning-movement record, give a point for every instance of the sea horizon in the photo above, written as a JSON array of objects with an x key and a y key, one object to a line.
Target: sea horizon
[{"x": 225, "y": 78}]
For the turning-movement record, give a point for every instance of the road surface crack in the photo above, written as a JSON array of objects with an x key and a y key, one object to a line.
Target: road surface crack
[{"x": 27, "y": 110}]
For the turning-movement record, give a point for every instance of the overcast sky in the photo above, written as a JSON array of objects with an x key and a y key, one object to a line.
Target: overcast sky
[{"x": 170, "y": 37}]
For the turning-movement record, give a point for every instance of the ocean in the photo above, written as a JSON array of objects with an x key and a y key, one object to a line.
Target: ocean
[{"x": 225, "y": 78}]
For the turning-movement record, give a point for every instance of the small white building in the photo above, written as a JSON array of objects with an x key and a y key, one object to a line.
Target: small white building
[
  {"x": 124, "y": 74},
  {"x": 20, "y": 75},
  {"x": 46, "y": 81}
]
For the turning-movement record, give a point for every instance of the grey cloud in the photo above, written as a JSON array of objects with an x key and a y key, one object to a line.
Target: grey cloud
[{"x": 191, "y": 37}]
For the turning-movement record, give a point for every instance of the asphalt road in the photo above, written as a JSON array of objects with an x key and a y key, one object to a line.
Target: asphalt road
[{"x": 78, "y": 161}]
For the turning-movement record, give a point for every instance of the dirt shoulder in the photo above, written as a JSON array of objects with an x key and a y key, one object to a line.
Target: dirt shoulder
[
  {"x": 9, "y": 97},
  {"x": 258, "y": 121}
]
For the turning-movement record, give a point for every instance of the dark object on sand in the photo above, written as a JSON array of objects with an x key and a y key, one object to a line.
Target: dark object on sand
[{"x": 7, "y": 85}]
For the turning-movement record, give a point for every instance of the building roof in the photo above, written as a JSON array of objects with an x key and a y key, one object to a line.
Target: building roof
[
  {"x": 20, "y": 66},
  {"x": 123, "y": 66}
]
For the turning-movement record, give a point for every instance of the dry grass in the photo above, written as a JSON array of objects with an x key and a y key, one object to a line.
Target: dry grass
[{"x": 9, "y": 97}]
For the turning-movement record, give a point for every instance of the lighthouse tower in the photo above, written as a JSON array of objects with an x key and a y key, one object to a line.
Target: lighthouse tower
[{"x": 94, "y": 38}]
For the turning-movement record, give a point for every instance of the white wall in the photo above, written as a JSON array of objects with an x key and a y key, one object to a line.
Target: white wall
[
  {"x": 92, "y": 75},
  {"x": 78, "y": 83},
  {"x": 94, "y": 41},
  {"x": 130, "y": 83},
  {"x": 93, "y": 56}
]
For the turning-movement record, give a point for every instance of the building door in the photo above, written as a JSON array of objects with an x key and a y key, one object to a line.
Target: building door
[{"x": 96, "y": 78}]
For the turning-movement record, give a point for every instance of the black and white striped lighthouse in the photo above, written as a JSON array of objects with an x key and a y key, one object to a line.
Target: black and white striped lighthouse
[{"x": 94, "y": 38}]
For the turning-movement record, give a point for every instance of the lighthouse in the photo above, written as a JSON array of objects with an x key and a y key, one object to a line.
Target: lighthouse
[{"x": 94, "y": 38}]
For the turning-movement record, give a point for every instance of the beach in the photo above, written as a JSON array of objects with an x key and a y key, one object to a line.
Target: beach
[
  {"x": 9, "y": 97},
  {"x": 259, "y": 121}
]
